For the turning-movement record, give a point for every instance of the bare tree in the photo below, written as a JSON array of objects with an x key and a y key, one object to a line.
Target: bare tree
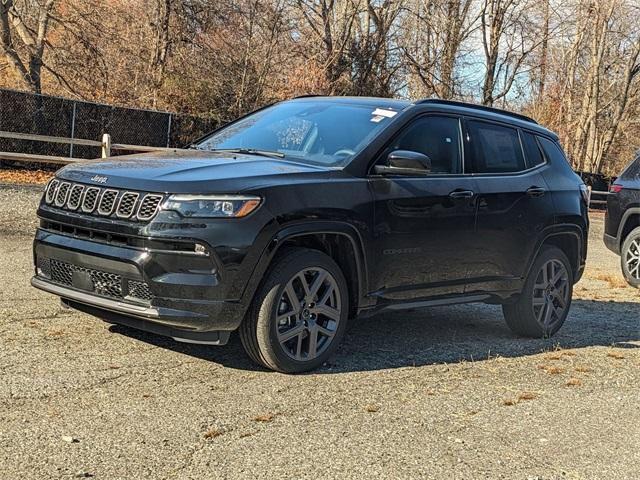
[{"x": 23, "y": 42}]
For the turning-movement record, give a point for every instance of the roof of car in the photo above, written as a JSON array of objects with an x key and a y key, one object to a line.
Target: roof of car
[{"x": 497, "y": 114}]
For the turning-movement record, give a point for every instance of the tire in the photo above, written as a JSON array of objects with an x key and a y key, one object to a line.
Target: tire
[
  {"x": 274, "y": 315},
  {"x": 542, "y": 307},
  {"x": 630, "y": 258}
]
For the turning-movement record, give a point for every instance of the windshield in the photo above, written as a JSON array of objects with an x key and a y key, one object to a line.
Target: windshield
[{"x": 318, "y": 133}]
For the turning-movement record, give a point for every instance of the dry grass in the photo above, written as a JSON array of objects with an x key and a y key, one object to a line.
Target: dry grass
[
  {"x": 574, "y": 382},
  {"x": 614, "y": 354},
  {"x": 265, "y": 417},
  {"x": 614, "y": 281},
  {"x": 213, "y": 432},
  {"x": 551, "y": 369},
  {"x": 372, "y": 408}
]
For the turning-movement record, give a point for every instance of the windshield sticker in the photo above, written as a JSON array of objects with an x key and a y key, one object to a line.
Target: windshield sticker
[
  {"x": 377, "y": 118},
  {"x": 384, "y": 112}
]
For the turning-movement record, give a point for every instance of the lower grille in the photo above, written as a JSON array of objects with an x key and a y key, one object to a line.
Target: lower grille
[{"x": 94, "y": 281}]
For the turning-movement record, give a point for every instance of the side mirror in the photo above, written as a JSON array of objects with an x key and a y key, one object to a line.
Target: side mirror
[{"x": 405, "y": 162}]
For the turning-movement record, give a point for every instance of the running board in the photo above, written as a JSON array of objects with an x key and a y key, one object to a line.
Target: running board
[{"x": 436, "y": 302}]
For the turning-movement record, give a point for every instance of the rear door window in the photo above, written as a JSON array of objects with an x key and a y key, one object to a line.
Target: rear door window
[{"x": 494, "y": 148}]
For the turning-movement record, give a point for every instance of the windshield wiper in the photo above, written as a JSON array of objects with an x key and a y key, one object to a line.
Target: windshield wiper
[{"x": 250, "y": 151}]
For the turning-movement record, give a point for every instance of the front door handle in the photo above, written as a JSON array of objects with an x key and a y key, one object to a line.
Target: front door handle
[
  {"x": 458, "y": 194},
  {"x": 535, "y": 191}
]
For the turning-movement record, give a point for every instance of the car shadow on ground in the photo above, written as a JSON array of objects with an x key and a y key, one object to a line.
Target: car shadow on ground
[{"x": 439, "y": 335}]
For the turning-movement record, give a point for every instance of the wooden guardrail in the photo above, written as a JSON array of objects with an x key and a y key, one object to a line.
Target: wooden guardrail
[{"x": 105, "y": 145}]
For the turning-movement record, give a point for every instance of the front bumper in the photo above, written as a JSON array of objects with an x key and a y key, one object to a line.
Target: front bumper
[{"x": 182, "y": 293}]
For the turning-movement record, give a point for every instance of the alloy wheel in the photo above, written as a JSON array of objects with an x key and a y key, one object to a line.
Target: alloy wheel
[
  {"x": 309, "y": 311},
  {"x": 551, "y": 294},
  {"x": 632, "y": 259}
]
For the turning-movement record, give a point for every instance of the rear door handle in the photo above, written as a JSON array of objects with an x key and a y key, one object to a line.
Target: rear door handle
[
  {"x": 461, "y": 194},
  {"x": 535, "y": 191}
]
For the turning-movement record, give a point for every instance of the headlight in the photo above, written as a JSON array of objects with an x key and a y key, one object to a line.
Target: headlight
[{"x": 212, "y": 206}]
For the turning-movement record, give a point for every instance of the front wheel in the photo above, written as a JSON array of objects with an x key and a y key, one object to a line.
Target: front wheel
[
  {"x": 299, "y": 314},
  {"x": 543, "y": 305},
  {"x": 630, "y": 258}
]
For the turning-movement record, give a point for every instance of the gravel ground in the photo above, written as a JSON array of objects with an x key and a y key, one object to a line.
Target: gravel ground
[{"x": 436, "y": 393}]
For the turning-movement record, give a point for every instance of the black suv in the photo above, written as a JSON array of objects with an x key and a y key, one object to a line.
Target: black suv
[
  {"x": 287, "y": 222},
  {"x": 622, "y": 221}
]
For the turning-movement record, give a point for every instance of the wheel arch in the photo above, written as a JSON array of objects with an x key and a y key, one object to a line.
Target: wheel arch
[
  {"x": 630, "y": 220},
  {"x": 340, "y": 240},
  {"x": 569, "y": 239}
]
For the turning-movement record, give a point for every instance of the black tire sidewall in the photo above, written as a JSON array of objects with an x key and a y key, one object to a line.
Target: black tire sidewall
[
  {"x": 289, "y": 265},
  {"x": 521, "y": 318},
  {"x": 633, "y": 235}
]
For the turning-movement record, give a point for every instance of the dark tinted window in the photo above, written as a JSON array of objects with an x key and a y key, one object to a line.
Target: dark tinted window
[
  {"x": 436, "y": 137},
  {"x": 552, "y": 150},
  {"x": 494, "y": 148},
  {"x": 532, "y": 150}
]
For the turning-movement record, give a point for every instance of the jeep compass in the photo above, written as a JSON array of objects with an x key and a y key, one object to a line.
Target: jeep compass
[
  {"x": 622, "y": 221},
  {"x": 293, "y": 219}
]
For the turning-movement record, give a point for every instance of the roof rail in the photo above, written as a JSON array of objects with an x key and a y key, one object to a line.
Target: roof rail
[{"x": 477, "y": 107}]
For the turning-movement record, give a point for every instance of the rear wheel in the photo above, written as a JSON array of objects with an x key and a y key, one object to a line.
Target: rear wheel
[
  {"x": 299, "y": 314},
  {"x": 630, "y": 258},
  {"x": 543, "y": 305}
]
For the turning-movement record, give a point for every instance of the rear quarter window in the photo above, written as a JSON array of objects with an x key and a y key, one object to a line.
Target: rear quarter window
[{"x": 532, "y": 150}]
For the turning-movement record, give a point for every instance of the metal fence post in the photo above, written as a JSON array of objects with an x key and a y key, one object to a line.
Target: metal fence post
[
  {"x": 106, "y": 145},
  {"x": 169, "y": 130},
  {"x": 73, "y": 130}
]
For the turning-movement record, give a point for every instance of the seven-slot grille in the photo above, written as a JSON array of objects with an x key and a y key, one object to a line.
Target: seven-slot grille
[
  {"x": 102, "y": 201},
  {"x": 102, "y": 283}
]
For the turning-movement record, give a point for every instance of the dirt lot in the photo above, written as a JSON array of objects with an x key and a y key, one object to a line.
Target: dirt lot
[{"x": 438, "y": 393}]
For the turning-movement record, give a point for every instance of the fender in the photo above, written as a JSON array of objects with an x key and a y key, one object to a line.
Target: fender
[
  {"x": 554, "y": 231},
  {"x": 288, "y": 232},
  {"x": 623, "y": 221}
]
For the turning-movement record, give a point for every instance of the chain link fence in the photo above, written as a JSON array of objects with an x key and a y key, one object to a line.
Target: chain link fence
[{"x": 22, "y": 112}]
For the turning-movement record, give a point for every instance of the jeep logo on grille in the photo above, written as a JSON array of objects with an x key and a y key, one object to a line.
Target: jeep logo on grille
[{"x": 99, "y": 179}]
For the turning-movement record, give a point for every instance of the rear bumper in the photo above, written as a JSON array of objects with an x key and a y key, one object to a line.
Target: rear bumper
[
  {"x": 183, "y": 296},
  {"x": 612, "y": 243}
]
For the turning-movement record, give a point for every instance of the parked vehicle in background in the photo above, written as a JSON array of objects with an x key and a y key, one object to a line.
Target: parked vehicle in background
[
  {"x": 287, "y": 222},
  {"x": 622, "y": 221}
]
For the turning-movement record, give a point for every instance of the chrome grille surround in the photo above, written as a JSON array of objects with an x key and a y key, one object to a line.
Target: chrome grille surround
[
  {"x": 90, "y": 199},
  {"x": 127, "y": 204},
  {"x": 107, "y": 202},
  {"x": 50, "y": 195},
  {"x": 62, "y": 192},
  {"x": 75, "y": 197},
  {"x": 149, "y": 206}
]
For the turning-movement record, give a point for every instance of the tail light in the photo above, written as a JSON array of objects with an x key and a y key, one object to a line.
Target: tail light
[{"x": 615, "y": 188}]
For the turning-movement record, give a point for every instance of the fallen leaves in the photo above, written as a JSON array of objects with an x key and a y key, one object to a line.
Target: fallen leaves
[
  {"x": 551, "y": 369},
  {"x": 213, "y": 432},
  {"x": 574, "y": 382},
  {"x": 521, "y": 397},
  {"x": 265, "y": 417},
  {"x": 614, "y": 354},
  {"x": 25, "y": 176}
]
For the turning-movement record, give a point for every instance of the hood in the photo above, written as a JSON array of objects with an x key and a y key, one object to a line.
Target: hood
[{"x": 192, "y": 171}]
